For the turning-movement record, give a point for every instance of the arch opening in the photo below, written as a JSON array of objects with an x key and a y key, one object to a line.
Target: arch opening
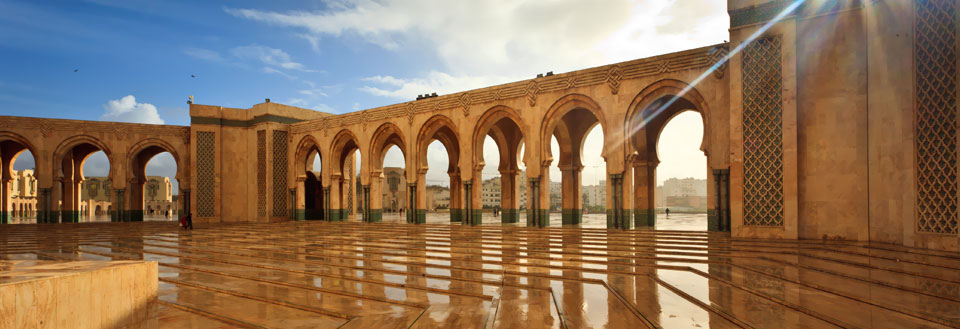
[
  {"x": 682, "y": 173},
  {"x": 438, "y": 167},
  {"x": 499, "y": 184},
  {"x": 577, "y": 144},
  {"x": 19, "y": 183},
  {"x": 668, "y": 137},
  {"x": 75, "y": 162}
]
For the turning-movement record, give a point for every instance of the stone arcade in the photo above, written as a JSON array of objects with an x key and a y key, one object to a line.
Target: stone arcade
[
  {"x": 846, "y": 133},
  {"x": 831, "y": 142}
]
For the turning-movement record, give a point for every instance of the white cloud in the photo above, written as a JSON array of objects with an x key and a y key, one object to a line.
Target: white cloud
[
  {"x": 270, "y": 70},
  {"x": 432, "y": 82},
  {"x": 483, "y": 43},
  {"x": 270, "y": 56},
  {"x": 325, "y": 108},
  {"x": 204, "y": 54},
  {"x": 126, "y": 109}
]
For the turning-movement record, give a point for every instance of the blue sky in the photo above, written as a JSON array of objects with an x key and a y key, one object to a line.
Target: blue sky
[{"x": 134, "y": 59}]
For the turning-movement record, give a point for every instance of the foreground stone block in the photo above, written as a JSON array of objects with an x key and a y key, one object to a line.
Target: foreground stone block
[{"x": 82, "y": 294}]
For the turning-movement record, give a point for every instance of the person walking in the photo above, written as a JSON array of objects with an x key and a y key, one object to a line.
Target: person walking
[
  {"x": 668, "y": 212},
  {"x": 190, "y": 221}
]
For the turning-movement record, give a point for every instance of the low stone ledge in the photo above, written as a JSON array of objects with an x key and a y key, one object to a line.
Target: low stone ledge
[{"x": 80, "y": 294}]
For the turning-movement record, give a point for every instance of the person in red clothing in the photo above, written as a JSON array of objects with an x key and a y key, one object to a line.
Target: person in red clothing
[{"x": 183, "y": 222}]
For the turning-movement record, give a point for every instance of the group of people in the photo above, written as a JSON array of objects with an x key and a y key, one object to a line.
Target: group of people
[{"x": 186, "y": 222}]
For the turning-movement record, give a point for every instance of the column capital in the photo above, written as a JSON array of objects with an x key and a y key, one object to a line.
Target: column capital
[
  {"x": 571, "y": 167},
  {"x": 645, "y": 163}
]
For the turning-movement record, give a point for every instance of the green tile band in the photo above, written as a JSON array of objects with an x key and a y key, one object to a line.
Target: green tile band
[
  {"x": 509, "y": 216},
  {"x": 713, "y": 221},
  {"x": 645, "y": 217},
  {"x": 376, "y": 216},
  {"x": 571, "y": 216},
  {"x": 456, "y": 215}
]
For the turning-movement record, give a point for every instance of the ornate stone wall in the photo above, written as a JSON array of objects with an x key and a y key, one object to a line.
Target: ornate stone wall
[
  {"x": 762, "y": 133},
  {"x": 935, "y": 58},
  {"x": 205, "y": 173}
]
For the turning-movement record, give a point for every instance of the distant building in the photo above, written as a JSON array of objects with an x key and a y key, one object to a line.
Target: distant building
[
  {"x": 491, "y": 191},
  {"x": 683, "y": 194},
  {"x": 438, "y": 197},
  {"x": 394, "y": 189},
  {"x": 96, "y": 197},
  {"x": 24, "y": 193},
  {"x": 556, "y": 198},
  {"x": 595, "y": 195}
]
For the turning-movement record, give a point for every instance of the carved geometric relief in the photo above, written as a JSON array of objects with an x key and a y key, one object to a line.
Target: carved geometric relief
[
  {"x": 762, "y": 133},
  {"x": 935, "y": 60},
  {"x": 262, "y": 173},
  {"x": 205, "y": 173},
  {"x": 279, "y": 173}
]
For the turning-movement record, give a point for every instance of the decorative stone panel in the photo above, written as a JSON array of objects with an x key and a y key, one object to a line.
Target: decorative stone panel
[
  {"x": 935, "y": 59},
  {"x": 279, "y": 173},
  {"x": 763, "y": 133},
  {"x": 262, "y": 173},
  {"x": 206, "y": 158}
]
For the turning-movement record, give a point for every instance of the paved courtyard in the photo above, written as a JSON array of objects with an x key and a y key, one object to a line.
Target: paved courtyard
[{"x": 356, "y": 275}]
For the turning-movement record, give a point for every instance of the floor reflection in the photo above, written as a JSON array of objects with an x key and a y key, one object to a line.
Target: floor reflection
[{"x": 317, "y": 274}]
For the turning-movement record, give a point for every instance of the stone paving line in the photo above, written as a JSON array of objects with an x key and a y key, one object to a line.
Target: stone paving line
[{"x": 350, "y": 274}]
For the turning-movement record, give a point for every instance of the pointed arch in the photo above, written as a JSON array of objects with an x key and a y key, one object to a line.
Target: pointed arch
[
  {"x": 442, "y": 128},
  {"x": 656, "y": 104},
  {"x": 560, "y": 108},
  {"x": 386, "y": 135},
  {"x": 343, "y": 142},
  {"x": 502, "y": 116}
]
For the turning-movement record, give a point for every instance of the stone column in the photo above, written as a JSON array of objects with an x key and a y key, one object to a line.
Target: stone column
[
  {"x": 476, "y": 199},
  {"x": 456, "y": 198},
  {"x": 56, "y": 194},
  {"x": 645, "y": 187},
  {"x": 509, "y": 196},
  {"x": 68, "y": 209},
  {"x": 44, "y": 205},
  {"x": 468, "y": 213},
  {"x": 300, "y": 198},
  {"x": 617, "y": 214},
  {"x": 375, "y": 201},
  {"x": 335, "y": 211},
  {"x": 571, "y": 194},
  {"x": 724, "y": 201},
  {"x": 328, "y": 213},
  {"x": 185, "y": 202},
  {"x": 6, "y": 199},
  {"x": 119, "y": 206},
  {"x": 366, "y": 205},
  {"x": 543, "y": 197},
  {"x": 420, "y": 215},
  {"x": 134, "y": 211},
  {"x": 713, "y": 217},
  {"x": 537, "y": 215}
]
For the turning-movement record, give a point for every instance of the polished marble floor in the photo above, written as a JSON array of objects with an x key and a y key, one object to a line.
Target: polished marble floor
[{"x": 393, "y": 275}]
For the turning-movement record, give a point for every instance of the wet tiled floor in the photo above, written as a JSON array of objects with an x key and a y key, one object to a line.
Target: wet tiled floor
[{"x": 391, "y": 275}]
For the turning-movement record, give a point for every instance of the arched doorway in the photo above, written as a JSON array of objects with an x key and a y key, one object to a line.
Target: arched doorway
[
  {"x": 153, "y": 182},
  {"x": 566, "y": 125},
  {"x": 340, "y": 194},
  {"x": 398, "y": 193},
  {"x": 649, "y": 114},
  {"x": 17, "y": 180},
  {"x": 438, "y": 146},
  {"x": 308, "y": 164},
  {"x": 74, "y": 160},
  {"x": 682, "y": 174},
  {"x": 500, "y": 124}
]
